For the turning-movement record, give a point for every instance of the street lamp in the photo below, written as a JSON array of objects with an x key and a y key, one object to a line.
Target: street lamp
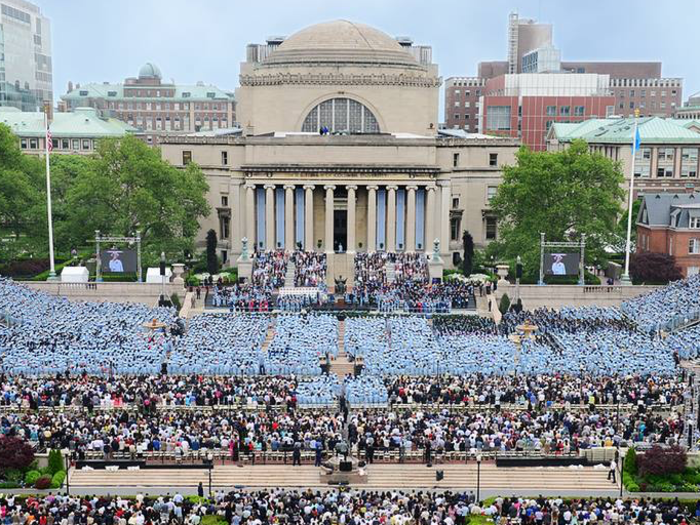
[
  {"x": 622, "y": 473},
  {"x": 66, "y": 458},
  {"x": 209, "y": 460},
  {"x": 478, "y": 478}
]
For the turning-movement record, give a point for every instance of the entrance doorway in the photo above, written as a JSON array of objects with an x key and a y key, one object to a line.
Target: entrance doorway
[{"x": 340, "y": 230}]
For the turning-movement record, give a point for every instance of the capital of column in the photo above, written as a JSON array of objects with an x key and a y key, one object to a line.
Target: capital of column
[
  {"x": 412, "y": 187},
  {"x": 289, "y": 186},
  {"x": 249, "y": 186},
  {"x": 329, "y": 187},
  {"x": 431, "y": 187},
  {"x": 269, "y": 186},
  {"x": 351, "y": 187},
  {"x": 444, "y": 183},
  {"x": 373, "y": 187},
  {"x": 392, "y": 187},
  {"x": 309, "y": 187}
]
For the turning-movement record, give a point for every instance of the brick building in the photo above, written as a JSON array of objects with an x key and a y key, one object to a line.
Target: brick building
[
  {"x": 633, "y": 85},
  {"x": 670, "y": 223},
  {"x": 155, "y": 107}
]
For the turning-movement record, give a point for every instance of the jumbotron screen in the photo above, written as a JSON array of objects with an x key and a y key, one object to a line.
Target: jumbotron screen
[
  {"x": 116, "y": 260},
  {"x": 562, "y": 263}
]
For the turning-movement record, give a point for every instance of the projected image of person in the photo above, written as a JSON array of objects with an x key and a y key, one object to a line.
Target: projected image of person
[
  {"x": 558, "y": 266},
  {"x": 115, "y": 263}
]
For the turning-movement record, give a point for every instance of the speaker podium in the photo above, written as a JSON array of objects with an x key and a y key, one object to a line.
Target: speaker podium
[{"x": 341, "y": 471}]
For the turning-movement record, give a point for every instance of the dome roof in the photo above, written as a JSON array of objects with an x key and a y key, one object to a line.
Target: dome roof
[
  {"x": 149, "y": 70},
  {"x": 341, "y": 41}
]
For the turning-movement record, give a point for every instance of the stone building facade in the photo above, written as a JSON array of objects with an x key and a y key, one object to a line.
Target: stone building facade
[{"x": 339, "y": 152}]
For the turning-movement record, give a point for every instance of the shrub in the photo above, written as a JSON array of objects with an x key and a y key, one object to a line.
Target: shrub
[
  {"x": 45, "y": 471},
  {"x": 55, "y": 461},
  {"x": 25, "y": 268},
  {"x": 504, "y": 305},
  {"x": 175, "y": 299},
  {"x": 13, "y": 475},
  {"x": 58, "y": 479},
  {"x": 650, "y": 267},
  {"x": 43, "y": 483},
  {"x": 31, "y": 477},
  {"x": 631, "y": 461},
  {"x": 15, "y": 453},
  {"x": 662, "y": 461}
]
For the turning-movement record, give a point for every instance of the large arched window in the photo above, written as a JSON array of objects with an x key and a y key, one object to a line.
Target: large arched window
[{"x": 341, "y": 114}]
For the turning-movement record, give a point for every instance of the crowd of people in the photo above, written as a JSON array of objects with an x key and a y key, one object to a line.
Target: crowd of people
[
  {"x": 242, "y": 297},
  {"x": 269, "y": 268},
  {"x": 310, "y": 268},
  {"x": 340, "y": 506},
  {"x": 667, "y": 307}
]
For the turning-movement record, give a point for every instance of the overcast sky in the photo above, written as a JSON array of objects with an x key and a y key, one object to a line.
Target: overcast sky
[{"x": 192, "y": 40}]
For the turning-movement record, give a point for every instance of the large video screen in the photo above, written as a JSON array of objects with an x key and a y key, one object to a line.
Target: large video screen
[
  {"x": 117, "y": 260},
  {"x": 562, "y": 263}
]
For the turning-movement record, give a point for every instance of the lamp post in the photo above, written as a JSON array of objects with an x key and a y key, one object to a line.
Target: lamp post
[
  {"x": 66, "y": 458},
  {"x": 478, "y": 478},
  {"x": 210, "y": 465},
  {"x": 622, "y": 474}
]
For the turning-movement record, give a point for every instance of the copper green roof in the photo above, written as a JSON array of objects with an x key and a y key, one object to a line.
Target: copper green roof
[
  {"x": 652, "y": 130},
  {"x": 184, "y": 93},
  {"x": 83, "y": 122}
]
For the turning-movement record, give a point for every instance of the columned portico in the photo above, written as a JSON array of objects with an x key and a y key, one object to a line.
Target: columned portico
[
  {"x": 250, "y": 214},
  {"x": 391, "y": 219},
  {"x": 446, "y": 194},
  {"x": 372, "y": 218},
  {"x": 330, "y": 211},
  {"x": 269, "y": 216},
  {"x": 430, "y": 219},
  {"x": 352, "y": 202},
  {"x": 411, "y": 219},
  {"x": 289, "y": 217},
  {"x": 309, "y": 217}
]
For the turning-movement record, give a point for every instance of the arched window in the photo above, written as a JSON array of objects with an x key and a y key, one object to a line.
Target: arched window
[{"x": 341, "y": 114}]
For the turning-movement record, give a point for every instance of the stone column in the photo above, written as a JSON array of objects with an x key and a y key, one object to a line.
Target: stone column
[
  {"x": 269, "y": 216},
  {"x": 330, "y": 208},
  {"x": 289, "y": 217},
  {"x": 309, "y": 217},
  {"x": 445, "y": 216},
  {"x": 411, "y": 218},
  {"x": 391, "y": 218},
  {"x": 352, "y": 202},
  {"x": 429, "y": 218},
  {"x": 372, "y": 218},
  {"x": 250, "y": 213}
]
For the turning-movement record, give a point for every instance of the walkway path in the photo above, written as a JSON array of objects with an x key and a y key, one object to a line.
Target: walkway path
[
  {"x": 562, "y": 480},
  {"x": 341, "y": 365}
]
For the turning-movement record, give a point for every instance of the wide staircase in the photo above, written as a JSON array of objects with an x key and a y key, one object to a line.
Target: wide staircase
[
  {"x": 290, "y": 275},
  {"x": 390, "y": 272},
  {"x": 268, "y": 338},
  {"x": 341, "y": 365}
]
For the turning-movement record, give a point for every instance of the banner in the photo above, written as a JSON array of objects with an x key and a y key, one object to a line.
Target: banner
[
  {"x": 562, "y": 263},
  {"x": 116, "y": 260}
]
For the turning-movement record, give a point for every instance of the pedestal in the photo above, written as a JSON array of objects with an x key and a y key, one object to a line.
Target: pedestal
[
  {"x": 502, "y": 271},
  {"x": 178, "y": 271},
  {"x": 339, "y": 471}
]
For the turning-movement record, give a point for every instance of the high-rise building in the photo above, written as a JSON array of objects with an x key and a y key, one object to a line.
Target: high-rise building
[
  {"x": 632, "y": 85},
  {"x": 25, "y": 56},
  {"x": 691, "y": 109},
  {"x": 155, "y": 107}
]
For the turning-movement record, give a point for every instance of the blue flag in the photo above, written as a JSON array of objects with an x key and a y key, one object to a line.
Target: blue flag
[{"x": 637, "y": 141}]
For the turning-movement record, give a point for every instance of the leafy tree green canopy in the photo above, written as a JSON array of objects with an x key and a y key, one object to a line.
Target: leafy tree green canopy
[{"x": 562, "y": 194}]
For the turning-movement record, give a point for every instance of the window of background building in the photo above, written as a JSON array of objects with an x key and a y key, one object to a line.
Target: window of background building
[
  {"x": 455, "y": 160},
  {"x": 565, "y": 110},
  {"x": 551, "y": 111},
  {"x": 65, "y": 144},
  {"x": 186, "y": 157},
  {"x": 579, "y": 111},
  {"x": 498, "y": 118},
  {"x": 455, "y": 223},
  {"x": 33, "y": 143},
  {"x": 23, "y": 143},
  {"x": 491, "y": 228},
  {"x": 224, "y": 201},
  {"x": 493, "y": 159},
  {"x": 224, "y": 158},
  {"x": 455, "y": 203},
  {"x": 457, "y": 116},
  {"x": 689, "y": 162},
  {"x": 694, "y": 246},
  {"x": 491, "y": 192},
  {"x": 86, "y": 144}
]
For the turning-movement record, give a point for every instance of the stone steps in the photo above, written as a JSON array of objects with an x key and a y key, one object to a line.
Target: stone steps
[
  {"x": 380, "y": 476},
  {"x": 341, "y": 365}
]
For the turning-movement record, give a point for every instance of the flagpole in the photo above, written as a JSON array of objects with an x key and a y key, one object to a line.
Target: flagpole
[
  {"x": 52, "y": 268},
  {"x": 630, "y": 202}
]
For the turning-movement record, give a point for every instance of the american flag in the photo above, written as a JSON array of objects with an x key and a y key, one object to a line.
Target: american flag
[{"x": 49, "y": 142}]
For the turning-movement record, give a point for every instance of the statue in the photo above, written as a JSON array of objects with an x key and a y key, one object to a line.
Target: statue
[
  {"x": 436, "y": 247},
  {"x": 244, "y": 249},
  {"x": 340, "y": 285}
]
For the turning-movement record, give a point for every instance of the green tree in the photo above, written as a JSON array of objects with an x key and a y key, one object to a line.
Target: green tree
[
  {"x": 654, "y": 268},
  {"x": 562, "y": 194},
  {"x": 504, "y": 304},
  {"x": 128, "y": 187},
  {"x": 212, "y": 259},
  {"x": 468, "y": 253},
  {"x": 21, "y": 180}
]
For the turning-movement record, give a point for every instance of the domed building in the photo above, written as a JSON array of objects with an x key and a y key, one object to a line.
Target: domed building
[{"x": 339, "y": 150}]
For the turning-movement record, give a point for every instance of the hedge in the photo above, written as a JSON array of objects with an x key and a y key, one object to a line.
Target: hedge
[
  {"x": 58, "y": 479},
  {"x": 31, "y": 477},
  {"x": 43, "y": 483}
]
